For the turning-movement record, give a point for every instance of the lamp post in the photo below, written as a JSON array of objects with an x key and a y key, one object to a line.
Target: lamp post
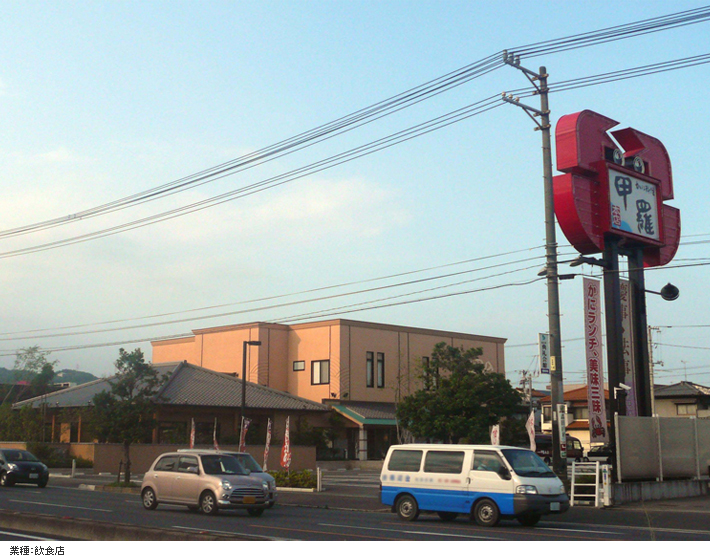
[{"x": 244, "y": 376}]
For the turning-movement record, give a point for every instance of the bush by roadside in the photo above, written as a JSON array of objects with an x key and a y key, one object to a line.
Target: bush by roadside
[
  {"x": 55, "y": 458},
  {"x": 295, "y": 479}
]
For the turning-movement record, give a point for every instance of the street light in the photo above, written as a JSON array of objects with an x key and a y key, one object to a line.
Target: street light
[{"x": 244, "y": 375}]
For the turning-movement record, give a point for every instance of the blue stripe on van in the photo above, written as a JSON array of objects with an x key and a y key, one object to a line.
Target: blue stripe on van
[{"x": 459, "y": 501}]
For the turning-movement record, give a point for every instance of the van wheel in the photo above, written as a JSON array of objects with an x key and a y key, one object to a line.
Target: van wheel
[
  {"x": 149, "y": 500},
  {"x": 486, "y": 513},
  {"x": 447, "y": 515},
  {"x": 407, "y": 508},
  {"x": 208, "y": 504},
  {"x": 529, "y": 519}
]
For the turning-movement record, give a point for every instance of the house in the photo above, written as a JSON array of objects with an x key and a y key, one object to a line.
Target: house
[
  {"x": 190, "y": 392},
  {"x": 684, "y": 399},
  {"x": 577, "y": 402},
  {"x": 360, "y": 369}
]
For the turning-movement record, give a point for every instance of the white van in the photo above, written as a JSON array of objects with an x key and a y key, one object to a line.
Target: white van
[{"x": 489, "y": 482}]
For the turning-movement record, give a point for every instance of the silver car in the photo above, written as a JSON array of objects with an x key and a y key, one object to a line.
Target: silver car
[
  {"x": 205, "y": 481},
  {"x": 252, "y": 468}
]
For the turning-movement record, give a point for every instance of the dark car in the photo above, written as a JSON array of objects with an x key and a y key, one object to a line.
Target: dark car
[
  {"x": 543, "y": 444},
  {"x": 18, "y": 465},
  {"x": 601, "y": 453}
]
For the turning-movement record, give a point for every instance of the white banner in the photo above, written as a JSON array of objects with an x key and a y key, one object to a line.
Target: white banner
[
  {"x": 495, "y": 434},
  {"x": 544, "y": 349},
  {"x": 562, "y": 429},
  {"x": 530, "y": 426},
  {"x": 268, "y": 444},
  {"x": 214, "y": 435},
  {"x": 192, "y": 434},
  {"x": 598, "y": 432},
  {"x": 286, "y": 450},
  {"x": 627, "y": 340}
]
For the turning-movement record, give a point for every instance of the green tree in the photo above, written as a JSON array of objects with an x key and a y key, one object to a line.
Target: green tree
[
  {"x": 31, "y": 365},
  {"x": 460, "y": 405},
  {"x": 126, "y": 413}
]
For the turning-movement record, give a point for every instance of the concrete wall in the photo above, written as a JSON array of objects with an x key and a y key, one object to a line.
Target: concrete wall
[{"x": 646, "y": 491}]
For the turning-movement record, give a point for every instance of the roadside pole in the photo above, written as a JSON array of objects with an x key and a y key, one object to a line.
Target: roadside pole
[{"x": 539, "y": 81}]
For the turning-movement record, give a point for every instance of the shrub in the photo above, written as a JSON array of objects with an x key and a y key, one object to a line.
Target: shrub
[
  {"x": 56, "y": 458},
  {"x": 295, "y": 479}
]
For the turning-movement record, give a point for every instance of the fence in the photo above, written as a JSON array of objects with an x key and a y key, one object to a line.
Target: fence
[{"x": 655, "y": 448}]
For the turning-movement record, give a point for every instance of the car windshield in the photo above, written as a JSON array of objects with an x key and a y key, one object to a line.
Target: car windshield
[
  {"x": 19, "y": 455},
  {"x": 221, "y": 464},
  {"x": 527, "y": 463},
  {"x": 248, "y": 462}
]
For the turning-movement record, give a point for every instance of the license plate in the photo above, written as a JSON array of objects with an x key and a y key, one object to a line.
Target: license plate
[
  {"x": 34, "y": 475},
  {"x": 555, "y": 506},
  {"x": 249, "y": 500}
]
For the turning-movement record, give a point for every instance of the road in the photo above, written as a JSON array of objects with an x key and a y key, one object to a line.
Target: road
[{"x": 328, "y": 516}]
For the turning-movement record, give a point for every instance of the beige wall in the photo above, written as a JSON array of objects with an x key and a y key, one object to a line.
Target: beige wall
[{"x": 344, "y": 343}]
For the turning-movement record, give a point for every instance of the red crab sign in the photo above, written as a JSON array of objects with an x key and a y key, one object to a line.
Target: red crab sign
[{"x": 616, "y": 183}]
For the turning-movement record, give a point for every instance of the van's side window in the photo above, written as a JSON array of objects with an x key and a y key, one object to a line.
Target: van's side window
[
  {"x": 405, "y": 460},
  {"x": 444, "y": 462},
  {"x": 486, "y": 461}
]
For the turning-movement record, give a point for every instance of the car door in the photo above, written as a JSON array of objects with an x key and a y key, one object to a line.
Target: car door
[
  {"x": 187, "y": 483},
  {"x": 490, "y": 477},
  {"x": 444, "y": 481},
  {"x": 162, "y": 477}
]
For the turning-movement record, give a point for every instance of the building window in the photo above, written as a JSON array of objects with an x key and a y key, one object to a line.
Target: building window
[
  {"x": 547, "y": 414},
  {"x": 320, "y": 372},
  {"x": 686, "y": 409},
  {"x": 299, "y": 365},
  {"x": 370, "y": 369},
  {"x": 581, "y": 413},
  {"x": 380, "y": 370}
]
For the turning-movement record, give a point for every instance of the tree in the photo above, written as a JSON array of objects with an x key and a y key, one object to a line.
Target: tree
[
  {"x": 31, "y": 365},
  {"x": 460, "y": 406},
  {"x": 126, "y": 413}
]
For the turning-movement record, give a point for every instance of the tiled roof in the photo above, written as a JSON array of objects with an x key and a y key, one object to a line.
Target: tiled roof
[
  {"x": 578, "y": 394},
  {"x": 188, "y": 385},
  {"x": 368, "y": 413},
  {"x": 682, "y": 389}
]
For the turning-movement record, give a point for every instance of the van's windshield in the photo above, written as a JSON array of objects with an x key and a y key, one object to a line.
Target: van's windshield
[{"x": 527, "y": 463}]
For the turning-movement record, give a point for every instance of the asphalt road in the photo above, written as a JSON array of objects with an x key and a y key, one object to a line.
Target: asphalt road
[{"x": 348, "y": 509}]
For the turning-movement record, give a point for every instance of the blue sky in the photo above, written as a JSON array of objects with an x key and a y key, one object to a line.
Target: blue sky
[{"x": 100, "y": 100}]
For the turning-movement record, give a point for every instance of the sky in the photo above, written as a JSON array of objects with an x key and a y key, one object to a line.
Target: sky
[{"x": 102, "y": 100}]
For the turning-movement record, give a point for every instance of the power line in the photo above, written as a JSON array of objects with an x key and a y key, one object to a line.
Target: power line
[{"x": 375, "y": 112}]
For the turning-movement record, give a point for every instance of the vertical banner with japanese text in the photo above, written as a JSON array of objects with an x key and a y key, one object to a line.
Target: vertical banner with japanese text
[
  {"x": 286, "y": 449},
  {"x": 598, "y": 432},
  {"x": 627, "y": 341},
  {"x": 268, "y": 444},
  {"x": 495, "y": 434},
  {"x": 243, "y": 435},
  {"x": 192, "y": 434},
  {"x": 214, "y": 435},
  {"x": 530, "y": 427}
]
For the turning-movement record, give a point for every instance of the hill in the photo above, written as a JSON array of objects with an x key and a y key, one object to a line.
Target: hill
[{"x": 62, "y": 376}]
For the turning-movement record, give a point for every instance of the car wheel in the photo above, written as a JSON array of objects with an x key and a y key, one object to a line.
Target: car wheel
[
  {"x": 208, "y": 504},
  {"x": 42, "y": 483},
  {"x": 270, "y": 505},
  {"x": 486, "y": 513},
  {"x": 529, "y": 520},
  {"x": 407, "y": 508},
  {"x": 447, "y": 515},
  {"x": 149, "y": 499},
  {"x": 5, "y": 480},
  {"x": 255, "y": 512}
]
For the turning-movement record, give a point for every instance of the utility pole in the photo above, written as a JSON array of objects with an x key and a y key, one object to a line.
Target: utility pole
[{"x": 539, "y": 81}]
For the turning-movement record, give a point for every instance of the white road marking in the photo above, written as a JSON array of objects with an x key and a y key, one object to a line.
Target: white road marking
[
  {"x": 60, "y": 506},
  {"x": 230, "y": 533},
  {"x": 432, "y": 533},
  {"x": 33, "y": 537}
]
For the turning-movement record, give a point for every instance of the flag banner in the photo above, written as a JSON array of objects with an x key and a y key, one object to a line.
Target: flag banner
[
  {"x": 192, "y": 434},
  {"x": 268, "y": 443},
  {"x": 530, "y": 427},
  {"x": 598, "y": 432},
  {"x": 495, "y": 434},
  {"x": 627, "y": 341},
  {"x": 562, "y": 429},
  {"x": 286, "y": 450},
  {"x": 214, "y": 435},
  {"x": 243, "y": 435}
]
